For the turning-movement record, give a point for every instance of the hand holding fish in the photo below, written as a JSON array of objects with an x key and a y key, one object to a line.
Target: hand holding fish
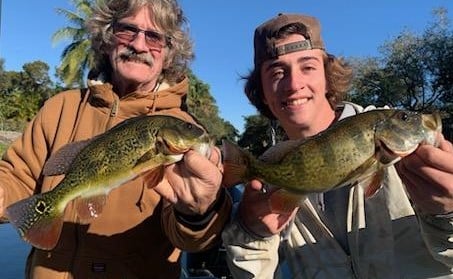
[
  {"x": 194, "y": 183},
  {"x": 140, "y": 146},
  {"x": 256, "y": 213},
  {"x": 356, "y": 149},
  {"x": 428, "y": 176}
]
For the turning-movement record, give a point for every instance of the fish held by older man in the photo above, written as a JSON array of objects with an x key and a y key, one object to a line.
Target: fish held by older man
[
  {"x": 356, "y": 149},
  {"x": 136, "y": 146}
]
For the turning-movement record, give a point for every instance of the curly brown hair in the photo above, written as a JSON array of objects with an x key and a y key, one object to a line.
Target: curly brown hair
[
  {"x": 337, "y": 73},
  {"x": 168, "y": 18}
]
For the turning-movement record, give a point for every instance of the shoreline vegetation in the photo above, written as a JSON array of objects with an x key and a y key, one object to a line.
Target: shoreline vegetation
[{"x": 6, "y": 137}]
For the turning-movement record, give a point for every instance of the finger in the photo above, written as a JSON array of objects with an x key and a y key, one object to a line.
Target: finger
[
  {"x": 425, "y": 197},
  {"x": 437, "y": 158},
  {"x": 254, "y": 185},
  {"x": 201, "y": 166},
  {"x": 421, "y": 177},
  {"x": 166, "y": 191},
  {"x": 216, "y": 156},
  {"x": 176, "y": 176},
  {"x": 446, "y": 145},
  {"x": 262, "y": 191}
]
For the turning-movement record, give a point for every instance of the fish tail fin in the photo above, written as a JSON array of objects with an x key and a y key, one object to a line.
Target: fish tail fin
[
  {"x": 37, "y": 220},
  {"x": 235, "y": 163}
]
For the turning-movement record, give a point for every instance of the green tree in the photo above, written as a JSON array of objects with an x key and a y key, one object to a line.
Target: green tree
[
  {"x": 2, "y": 65},
  {"x": 203, "y": 106},
  {"x": 23, "y": 93},
  {"x": 414, "y": 71},
  {"x": 260, "y": 134},
  {"x": 35, "y": 79},
  {"x": 77, "y": 57}
]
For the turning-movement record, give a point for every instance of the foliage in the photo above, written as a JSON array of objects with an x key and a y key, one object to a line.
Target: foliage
[
  {"x": 77, "y": 57},
  {"x": 260, "y": 134},
  {"x": 23, "y": 93},
  {"x": 414, "y": 71},
  {"x": 2, "y": 148},
  {"x": 203, "y": 106}
]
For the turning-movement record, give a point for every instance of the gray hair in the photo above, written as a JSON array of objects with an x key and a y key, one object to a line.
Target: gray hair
[{"x": 168, "y": 18}]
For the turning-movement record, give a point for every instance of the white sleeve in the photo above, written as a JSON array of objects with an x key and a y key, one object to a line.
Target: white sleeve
[{"x": 249, "y": 256}]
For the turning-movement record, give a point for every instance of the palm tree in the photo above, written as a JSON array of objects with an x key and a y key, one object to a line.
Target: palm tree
[{"x": 77, "y": 57}]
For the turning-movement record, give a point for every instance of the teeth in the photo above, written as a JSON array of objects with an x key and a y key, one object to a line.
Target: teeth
[{"x": 297, "y": 102}]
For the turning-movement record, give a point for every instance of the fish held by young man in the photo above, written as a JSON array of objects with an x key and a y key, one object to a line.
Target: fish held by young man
[
  {"x": 356, "y": 149},
  {"x": 94, "y": 167}
]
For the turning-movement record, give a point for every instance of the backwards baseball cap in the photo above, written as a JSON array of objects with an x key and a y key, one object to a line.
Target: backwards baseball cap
[{"x": 265, "y": 36}]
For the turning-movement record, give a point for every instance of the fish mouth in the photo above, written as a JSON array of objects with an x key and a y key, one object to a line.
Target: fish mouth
[
  {"x": 433, "y": 126},
  {"x": 203, "y": 148},
  {"x": 387, "y": 155},
  {"x": 170, "y": 148}
]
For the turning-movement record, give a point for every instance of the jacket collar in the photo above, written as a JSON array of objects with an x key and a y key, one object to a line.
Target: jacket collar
[{"x": 139, "y": 102}]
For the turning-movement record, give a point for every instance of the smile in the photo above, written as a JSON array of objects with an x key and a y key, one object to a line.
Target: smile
[{"x": 295, "y": 102}]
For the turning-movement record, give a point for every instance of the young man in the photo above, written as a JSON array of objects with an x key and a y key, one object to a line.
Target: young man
[
  {"x": 405, "y": 231},
  {"x": 141, "y": 54}
]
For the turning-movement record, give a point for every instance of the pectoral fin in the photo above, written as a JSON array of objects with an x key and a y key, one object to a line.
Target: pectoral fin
[
  {"x": 151, "y": 166},
  {"x": 151, "y": 160},
  {"x": 89, "y": 208},
  {"x": 284, "y": 202},
  {"x": 153, "y": 177},
  {"x": 367, "y": 169},
  {"x": 373, "y": 183}
]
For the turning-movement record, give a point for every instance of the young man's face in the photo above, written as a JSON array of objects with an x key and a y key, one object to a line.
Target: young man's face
[
  {"x": 294, "y": 87},
  {"x": 136, "y": 59}
]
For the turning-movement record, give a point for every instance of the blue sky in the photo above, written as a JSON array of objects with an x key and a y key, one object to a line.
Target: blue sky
[{"x": 222, "y": 32}]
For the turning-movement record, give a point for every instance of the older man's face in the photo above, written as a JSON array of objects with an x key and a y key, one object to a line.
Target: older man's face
[{"x": 137, "y": 58}]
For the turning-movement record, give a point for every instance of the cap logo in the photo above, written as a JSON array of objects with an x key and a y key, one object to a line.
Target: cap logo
[{"x": 291, "y": 47}]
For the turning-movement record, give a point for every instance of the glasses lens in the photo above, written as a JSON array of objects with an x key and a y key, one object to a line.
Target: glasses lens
[
  {"x": 154, "y": 39},
  {"x": 126, "y": 33}
]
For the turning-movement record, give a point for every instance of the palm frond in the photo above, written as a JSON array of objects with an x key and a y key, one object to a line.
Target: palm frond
[{"x": 76, "y": 57}]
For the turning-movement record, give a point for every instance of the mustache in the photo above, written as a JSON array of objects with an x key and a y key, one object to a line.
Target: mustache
[{"x": 131, "y": 54}]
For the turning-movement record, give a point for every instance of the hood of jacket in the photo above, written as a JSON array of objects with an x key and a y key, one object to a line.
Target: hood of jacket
[{"x": 164, "y": 97}]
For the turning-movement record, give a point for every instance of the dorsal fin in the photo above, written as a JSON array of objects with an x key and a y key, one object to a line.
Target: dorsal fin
[
  {"x": 59, "y": 162},
  {"x": 277, "y": 152}
]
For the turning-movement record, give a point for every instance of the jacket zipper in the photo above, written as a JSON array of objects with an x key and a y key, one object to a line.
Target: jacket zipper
[
  {"x": 113, "y": 113},
  {"x": 114, "y": 109}
]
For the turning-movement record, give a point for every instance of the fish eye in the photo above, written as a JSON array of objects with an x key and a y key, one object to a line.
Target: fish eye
[{"x": 404, "y": 116}]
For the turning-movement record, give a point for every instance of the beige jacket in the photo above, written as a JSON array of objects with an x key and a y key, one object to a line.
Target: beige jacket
[
  {"x": 384, "y": 235},
  {"x": 136, "y": 236}
]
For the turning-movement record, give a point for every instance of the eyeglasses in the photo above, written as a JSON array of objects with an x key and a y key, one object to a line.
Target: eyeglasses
[{"x": 126, "y": 33}]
